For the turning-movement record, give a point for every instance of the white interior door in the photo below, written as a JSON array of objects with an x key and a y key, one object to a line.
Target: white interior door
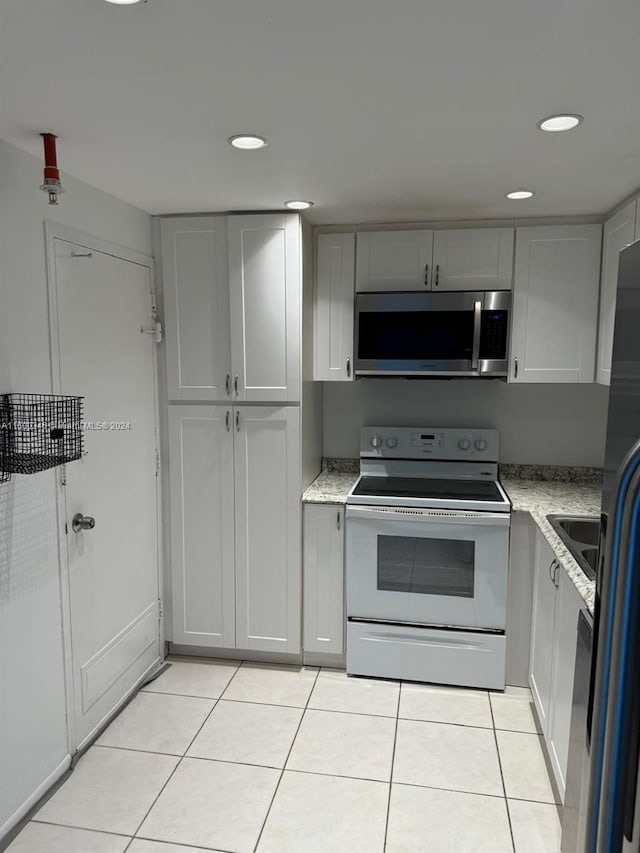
[{"x": 102, "y": 303}]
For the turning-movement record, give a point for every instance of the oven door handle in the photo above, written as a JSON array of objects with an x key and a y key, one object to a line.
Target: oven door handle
[
  {"x": 493, "y": 519},
  {"x": 477, "y": 327}
]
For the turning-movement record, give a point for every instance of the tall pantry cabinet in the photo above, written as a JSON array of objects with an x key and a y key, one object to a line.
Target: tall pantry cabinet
[{"x": 233, "y": 300}]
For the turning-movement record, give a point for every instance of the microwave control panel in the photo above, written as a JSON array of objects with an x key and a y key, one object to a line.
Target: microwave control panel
[{"x": 479, "y": 445}]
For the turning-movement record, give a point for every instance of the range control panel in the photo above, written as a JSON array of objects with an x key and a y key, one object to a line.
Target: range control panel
[{"x": 479, "y": 445}]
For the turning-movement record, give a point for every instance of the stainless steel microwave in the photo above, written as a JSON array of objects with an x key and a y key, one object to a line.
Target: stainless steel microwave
[{"x": 459, "y": 333}]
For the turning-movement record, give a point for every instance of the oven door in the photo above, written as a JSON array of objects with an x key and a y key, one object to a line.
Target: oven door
[{"x": 427, "y": 567}]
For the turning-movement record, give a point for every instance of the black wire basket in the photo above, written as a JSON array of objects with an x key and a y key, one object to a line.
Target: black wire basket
[{"x": 39, "y": 431}]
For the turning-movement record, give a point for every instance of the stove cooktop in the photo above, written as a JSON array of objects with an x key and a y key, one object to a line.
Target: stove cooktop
[{"x": 426, "y": 487}]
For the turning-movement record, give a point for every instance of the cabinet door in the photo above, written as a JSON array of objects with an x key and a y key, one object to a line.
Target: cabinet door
[
  {"x": 565, "y": 640},
  {"x": 333, "y": 308},
  {"x": 323, "y": 559},
  {"x": 619, "y": 231},
  {"x": 202, "y": 525},
  {"x": 542, "y": 622},
  {"x": 196, "y": 307},
  {"x": 265, "y": 276},
  {"x": 394, "y": 260},
  {"x": 473, "y": 259},
  {"x": 268, "y": 528},
  {"x": 555, "y": 303}
]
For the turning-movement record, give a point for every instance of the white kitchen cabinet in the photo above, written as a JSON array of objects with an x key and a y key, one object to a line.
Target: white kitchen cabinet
[
  {"x": 542, "y": 624},
  {"x": 196, "y": 297},
  {"x": 473, "y": 259},
  {"x": 568, "y": 606},
  {"x": 323, "y": 568},
  {"x": 232, "y": 293},
  {"x": 235, "y": 526},
  {"x": 394, "y": 260},
  {"x": 265, "y": 276},
  {"x": 268, "y": 528},
  {"x": 333, "y": 308},
  {"x": 202, "y": 525},
  {"x": 555, "y": 303},
  {"x": 619, "y": 231}
]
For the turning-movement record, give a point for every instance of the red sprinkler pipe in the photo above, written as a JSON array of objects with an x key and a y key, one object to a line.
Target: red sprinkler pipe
[
  {"x": 51, "y": 183},
  {"x": 50, "y": 158}
]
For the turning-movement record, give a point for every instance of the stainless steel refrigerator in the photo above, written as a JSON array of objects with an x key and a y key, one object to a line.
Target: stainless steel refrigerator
[{"x": 612, "y": 819}]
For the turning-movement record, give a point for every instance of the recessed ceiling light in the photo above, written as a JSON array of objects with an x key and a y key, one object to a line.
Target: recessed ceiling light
[
  {"x": 126, "y": 2},
  {"x": 298, "y": 205},
  {"x": 558, "y": 123},
  {"x": 247, "y": 141},
  {"x": 518, "y": 194}
]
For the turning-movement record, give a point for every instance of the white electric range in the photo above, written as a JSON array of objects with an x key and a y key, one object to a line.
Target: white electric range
[{"x": 427, "y": 557}]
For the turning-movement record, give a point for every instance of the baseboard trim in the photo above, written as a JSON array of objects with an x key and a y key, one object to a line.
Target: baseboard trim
[
  {"x": 324, "y": 659},
  {"x": 18, "y": 820},
  {"x": 234, "y": 654}
]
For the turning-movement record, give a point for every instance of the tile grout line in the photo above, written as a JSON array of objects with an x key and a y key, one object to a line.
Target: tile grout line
[
  {"x": 504, "y": 787},
  {"x": 284, "y": 765},
  {"x": 393, "y": 758},
  {"x": 180, "y": 760}
]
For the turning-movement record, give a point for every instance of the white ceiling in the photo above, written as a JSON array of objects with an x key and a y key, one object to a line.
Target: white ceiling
[{"x": 375, "y": 109}]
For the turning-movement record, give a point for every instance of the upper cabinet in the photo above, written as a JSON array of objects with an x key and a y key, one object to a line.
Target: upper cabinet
[
  {"x": 473, "y": 259},
  {"x": 619, "y": 231},
  {"x": 555, "y": 303},
  {"x": 232, "y": 291},
  {"x": 333, "y": 308},
  {"x": 394, "y": 260},
  {"x": 455, "y": 259},
  {"x": 196, "y": 297},
  {"x": 265, "y": 272}
]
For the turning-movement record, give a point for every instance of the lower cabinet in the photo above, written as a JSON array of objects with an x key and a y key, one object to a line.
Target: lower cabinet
[
  {"x": 568, "y": 606},
  {"x": 323, "y": 556},
  {"x": 235, "y": 526},
  {"x": 554, "y": 624},
  {"x": 542, "y": 622}
]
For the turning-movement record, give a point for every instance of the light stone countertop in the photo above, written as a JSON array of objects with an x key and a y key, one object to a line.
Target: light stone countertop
[
  {"x": 330, "y": 487},
  {"x": 541, "y": 498},
  {"x": 537, "y": 497}
]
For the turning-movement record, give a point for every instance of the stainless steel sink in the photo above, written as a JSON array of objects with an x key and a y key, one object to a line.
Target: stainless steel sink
[{"x": 581, "y": 535}]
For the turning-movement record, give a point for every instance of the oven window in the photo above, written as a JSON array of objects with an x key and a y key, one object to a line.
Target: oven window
[
  {"x": 415, "y": 335},
  {"x": 426, "y": 566}
]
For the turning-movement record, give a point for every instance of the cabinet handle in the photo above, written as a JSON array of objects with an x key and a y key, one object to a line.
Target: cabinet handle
[
  {"x": 237, "y": 421},
  {"x": 556, "y": 575},
  {"x": 227, "y": 384},
  {"x": 228, "y": 420},
  {"x": 348, "y": 368},
  {"x": 338, "y": 520},
  {"x": 515, "y": 367},
  {"x": 552, "y": 572},
  {"x": 235, "y": 384},
  {"x": 437, "y": 274},
  {"x": 426, "y": 275}
]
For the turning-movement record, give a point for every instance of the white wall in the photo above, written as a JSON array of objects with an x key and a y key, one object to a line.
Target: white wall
[
  {"x": 33, "y": 739},
  {"x": 538, "y": 424}
]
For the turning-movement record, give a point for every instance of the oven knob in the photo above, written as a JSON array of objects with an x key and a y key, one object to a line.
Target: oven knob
[
  {"x": 376, "y": 441},
  {"x": 464, "y": 444},
  {"x": 392, "y": 442},
  {"x": 480, "y": 444}
]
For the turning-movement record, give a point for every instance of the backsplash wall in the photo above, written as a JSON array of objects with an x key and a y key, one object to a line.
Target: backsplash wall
[{"x": 538, "y": 424}]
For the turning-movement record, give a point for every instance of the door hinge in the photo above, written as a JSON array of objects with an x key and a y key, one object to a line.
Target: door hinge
[
  {"x": 157, "y": 461},
  {"x": 66, "y": 529},
  {"x": 155, "y": 331},
  {"x": 160, "y": 609}
]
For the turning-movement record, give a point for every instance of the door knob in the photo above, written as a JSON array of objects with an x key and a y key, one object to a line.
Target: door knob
[{"x": 82, "y": 522}]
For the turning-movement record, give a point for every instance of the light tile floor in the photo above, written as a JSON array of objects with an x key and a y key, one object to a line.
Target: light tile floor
[{"x": 222, "y": 756}]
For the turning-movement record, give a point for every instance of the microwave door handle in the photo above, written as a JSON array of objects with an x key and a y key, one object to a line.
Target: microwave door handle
[{"x": 477, "y": 319}]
